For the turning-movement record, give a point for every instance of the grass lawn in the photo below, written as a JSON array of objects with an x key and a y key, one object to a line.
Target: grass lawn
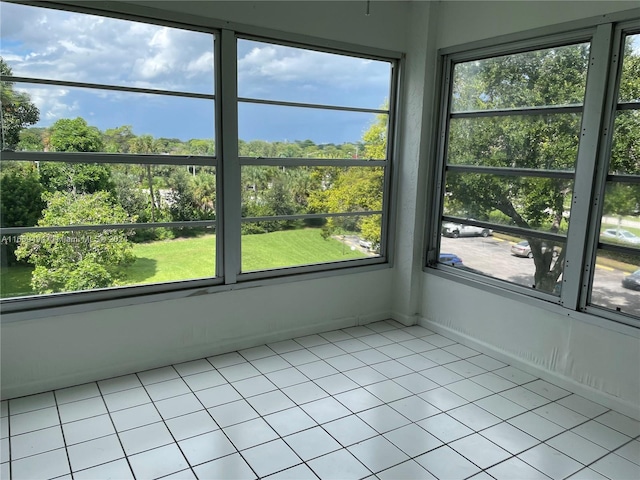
[{"x": 190, "y": 258}]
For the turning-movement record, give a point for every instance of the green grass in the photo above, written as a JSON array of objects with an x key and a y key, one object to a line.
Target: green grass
[{"x": 191, "y": 258}]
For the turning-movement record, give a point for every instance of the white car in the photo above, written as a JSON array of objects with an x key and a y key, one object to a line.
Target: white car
[
  {"x": 456, "y": 230},
  {"x": 621, "y": 235}
]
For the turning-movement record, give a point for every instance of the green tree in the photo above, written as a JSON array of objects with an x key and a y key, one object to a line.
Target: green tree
[
  {"x": 75, "y": 135},
  {"x": 17, "y": 111},
  {"x": 78, "y": 260},
  {"x": 145, "y": 144}
]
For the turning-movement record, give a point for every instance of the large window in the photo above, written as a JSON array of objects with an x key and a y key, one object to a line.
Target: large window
[
  {"x": 138, "y": 156},
  {"x": 519, "y": 170}
]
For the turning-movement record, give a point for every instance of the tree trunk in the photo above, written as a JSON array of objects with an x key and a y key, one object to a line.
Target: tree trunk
[{"x": 153, "y": 200}]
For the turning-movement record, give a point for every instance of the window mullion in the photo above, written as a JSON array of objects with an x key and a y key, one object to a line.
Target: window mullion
[{"x": 592, "y": 121}]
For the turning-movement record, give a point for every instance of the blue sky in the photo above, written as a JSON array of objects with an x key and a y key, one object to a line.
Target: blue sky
[{"x": 57, "y": 45}]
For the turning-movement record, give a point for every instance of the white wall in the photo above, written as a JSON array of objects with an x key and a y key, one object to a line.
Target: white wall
[{"x": 600, "y": 362}]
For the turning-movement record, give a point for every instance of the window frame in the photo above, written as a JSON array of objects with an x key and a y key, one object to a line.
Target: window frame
[
  {"x": 227, "y": 163},
  {"x": 592, "y": 152}
]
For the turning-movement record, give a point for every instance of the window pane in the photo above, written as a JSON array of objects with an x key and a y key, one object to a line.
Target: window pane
[
  {"x": 621, "y": 215},
  {"x": 531, "y": 262},
  {"x": 537, "y": 203},
  {"x": 616, "y": 282},
  {"x": 76, "y": 261},
  {"x": 625, "y": 151},
  {"x": 58, "y": 45},
  {"x": 272, "y": 123},
  {"x": 275, "y": 72},
  {"x": 269, "y": 191},
  {"x": 269, "y": 245},
  {"x": 87, "y": 120},
  {"x": 551, "y": 77},
  {"x": 629, "y": 91},
  {"x": 547, "y": 142}
]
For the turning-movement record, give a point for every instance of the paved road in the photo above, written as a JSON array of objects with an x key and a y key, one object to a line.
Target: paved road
[{"x": 492, "y": 256}]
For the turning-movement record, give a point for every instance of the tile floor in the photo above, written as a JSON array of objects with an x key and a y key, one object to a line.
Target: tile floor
[{"x": 378, "y": 401}]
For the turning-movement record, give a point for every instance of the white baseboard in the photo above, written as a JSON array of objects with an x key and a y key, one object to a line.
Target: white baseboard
[
  {"x": 626, "y": 408},
  {"x": 406, "y": 320}
]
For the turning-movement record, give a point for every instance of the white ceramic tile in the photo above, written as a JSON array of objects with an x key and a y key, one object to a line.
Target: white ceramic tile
[
  {"x": 500, "y": 406},
  {"x": 88, "y": 429},
  {"x": 441, "y": 375},
  {"x": 371, "y": 356},
  {"x": 461, "y": 351},
  {"x": 439, "y": 356},
  {"x": 170, "y": 388},
  {"x": 251, "y": 433},
  {"x": 4, "y": 408},
  {"x": 317, "y": 369},
  {"x": 232, "y": 413},
  {"x": 577, "y": 447},
  {"x": 94, "y": 452},
  {"x": 226, "y": 360},
  {"x": 445, "y": 463},
  {"x": 5, "y": 470},
  {"x": 375, "y": 340},
  {"x": 270, "y": 457},
  {"x": 547, "y": 390},
  {"x": 255, "y": 353},
  {"x": 312, "y": 443},
  {"x": 79, "y": 392},
  {"x": 144, "y": 438},
  {"x": 338, "y": 383},
  {"x": 621, "y": 423},
  {"x": 4, "y": 427},
  {"x": 443, "y": 398},
  {"x": 46, "y": 465},
  {"x": 601, "y": 434},
  {"x": 587, "y": 474},
  {"x": 192, "y": 368},
  {"x": 378, "y": 454},
  {"x": 180, "y": 405},
  {"x": 191, "y": 425},
  {"x": 630, "y": 451},
  {"x": 336, "y": 336},
  {"x": 338, "y": 465},
  {"x": 344, "y": 362},
  {"x": 474, "y": 417},
  {"x": 238, "y": 372},
  {"x": 525, "y": 398},
  {"x": 126, "y": 399},
  {"x": 515, "y": 375},
  {"x": 582, "y": 405},
  {"x": 398, "y": 335},
  {"x": 383, "y": 418},
  {"x": 270, "y": 402},
  {"x": 207, "y": 447},
  {"x": 118, "y": 384},
  {"x": 439, "y": 340},
  {"x": 287, "y": 377},
  {"x": 31, "y": 403},
  {"x": 365, "y": 376},
  {"x": 116, "y": 470},
  {"x": 299, "y": 357},
  {"x": 325, "y": 410},
  {"x": 486, "y": 362},
  {"x": 158, "y": 462},
  {"x": 396, "y": 350},
  {"x": 290, "y": 421},
  {"x": 33, "y": 443},
  {"x": 311, "y": 341},
  {"x": 231, "y": 467},
  {"x": 285, "y": 346},
  {"x": 444, "y": 427},
  {"x": 514, "y": 468},
  {"x": 414, "y": 408},
  {"x": 392, "y": 368},
  {"x": 465, "y": 368},
  {"x": 510, "y": 438},
  {"x": 91, "y": 407},
  {"x": 563, "y": 416},
  {"x": 493, "y": 382},
  {"x": 212, "y": 397},
  {"x": 416, "y": 383},
  {"x": 208, "y": 379},
  {"x": 413, "y": 440},
  {"x": 614, "y": 466},
  {"x": 326, "y": 351},
  {"x": 349, "y": 430},
  {"x": 352, "y": 345},
  {"x": 418, "y": 345},
  {"x": 469, "y": 390},
  {"x": 550, "y": 461},
  {"x": 388, "y": 391},
  {"x": 358, "y": 331},
  {"x": 254, "y": 386},
  {"x": 182, "y": 475},
  {"x": 417, "y": 362},
  {"x": 536, "y": 426},
  {"x": 418, "y": 331},
  {"x": 4, "y": 450},
  {"x": 270, "y": 364},
  {"x": 409, "y": 470},
  {"x": 304, "y": 392},
  {"x": 157, "y": 375},
  {"x": 30, "y": 421},
  {"x": 135, "y": 417},
  {"x": 479, "y": 450},
  {"x": 358, "y": 400}
]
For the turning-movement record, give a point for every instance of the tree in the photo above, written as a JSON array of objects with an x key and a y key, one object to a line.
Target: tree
[
  {"x": 17, "y": 111},
  {"x": 77, "y": 260},
  {"x": 75, "y": 135},
  {"x": 145, "y": 144}
]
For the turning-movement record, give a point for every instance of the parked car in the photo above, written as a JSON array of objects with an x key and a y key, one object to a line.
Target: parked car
[
  {"x": 632, "y": 281},
  {"x": 456, "y": 230},
  {"x": 621, "y": 235},
  {"x": 523, "y": 249},
  {"x": 450, "y": 259}
]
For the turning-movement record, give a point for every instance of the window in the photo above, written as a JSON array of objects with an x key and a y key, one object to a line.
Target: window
[
  {"x": 519, "y": 168},
  {"x": 115, "y": 176}
]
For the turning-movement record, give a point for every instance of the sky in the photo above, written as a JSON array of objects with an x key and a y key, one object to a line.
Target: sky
[{"x": 57, "y": 45}]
